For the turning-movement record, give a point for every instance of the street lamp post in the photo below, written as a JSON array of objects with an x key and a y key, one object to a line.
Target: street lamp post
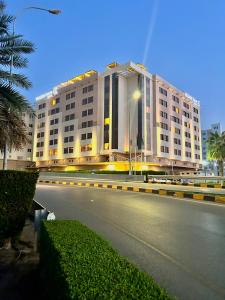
[
  {"x": 135, "y": 96},
  {"x": 51, "y": 11}
]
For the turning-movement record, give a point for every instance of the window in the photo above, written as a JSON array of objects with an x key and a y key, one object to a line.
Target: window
[
  {"x": 186, "y": 105},
  {"x": 40, "y": 134},
  {"x": 164, "y": 126},
  {"x": 84, "y": 101},
  {"x": 163, "y": 102},
  {"x": 177, "y": 152},
  {"x": 176, "y": 109},
  {"x": 186, "y": 114},
  {"x": 164, "y": 137},
  {"x": 40, "y": 144},
  {"x": 188, "y": 154},
  {"x": 29, "y": 150},
  {"x": 175, "y": 119},
  {"x": 90, "y": 99},
  {"x": 69, "y": 117},
  {"x": 188, "y": 144},
  {"x": 175, "y": 99},
  {"x": 89, "y": 135},
  {"x": 90, "y": 111},
  {"x": 164, "y": 149},
  {"x": 69, "y": 139},
  {"x": 177, "y": 141},
  {"x": 85, "y": 148},
  {"x": 87, "y": 89},
  {"x": 70, "y": 106},
  {"x": 187, "y": 134},
  {"x": 53, "y": 111},
  {"x": 90, "y": 123},
  {"x": 70, "y": 95},
  {"x": 176, "y": 130},
  {"x": 196, "y": 119},
  {"x": 53, "y": 152},
  {"x": 163, "y": 91},
  {"x": 41, "y": 106},
  {"x": 197, "y": 156},
  {"x": 186, "y": 124},
  {"x": 53, "y": 131},
  {"x": 54, "y": 121},
  {"x": 197, "y": 147},
  {"x": 41, "y": 125},
  {"x": 68, "y": 150},
  {"x": 84, "y": 124},
  {"x": 41, "y": 115},
  {"x": 53, "y": 142},
  {"x": 164, "y": 114},
  {"x": 83, "y": 136},
  {"x": 69, "y": 128},
  {"x": 84, "y": 113},
  {"x": 195, "y": 110}
]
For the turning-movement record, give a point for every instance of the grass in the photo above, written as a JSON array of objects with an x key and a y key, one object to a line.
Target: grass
[{"x": 79, "y": 264}]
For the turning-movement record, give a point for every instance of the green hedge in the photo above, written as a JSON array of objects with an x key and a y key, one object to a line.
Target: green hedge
[
  {"x": 78, "y": 264},
  {"x": 17, "y": 190}
]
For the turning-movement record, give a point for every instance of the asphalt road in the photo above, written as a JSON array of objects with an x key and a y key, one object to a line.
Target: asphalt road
[
  {"x": 140, "y": 184},
  {"x": 181, "y": 243}
]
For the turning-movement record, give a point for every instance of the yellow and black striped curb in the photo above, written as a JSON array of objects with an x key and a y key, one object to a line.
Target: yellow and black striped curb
[
  {"x": 162, "y": 192},
  {"x": 204, "y": 185}
]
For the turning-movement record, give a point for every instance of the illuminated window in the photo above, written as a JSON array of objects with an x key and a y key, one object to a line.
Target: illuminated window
[
  {"x": 106, "y": 122},
  {"x": 106, "y": 146}
]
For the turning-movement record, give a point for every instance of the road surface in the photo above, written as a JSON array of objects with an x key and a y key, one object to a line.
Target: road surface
[
  {"x": 156, "y": 186},
  {"x": 181, "y": 243}
]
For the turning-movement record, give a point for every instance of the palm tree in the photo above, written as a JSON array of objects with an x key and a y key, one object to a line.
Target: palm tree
[
  {"x": 13, "y": 130},
  {"x": 12, "y": 49},
  {"x": 216, "y": 150}
]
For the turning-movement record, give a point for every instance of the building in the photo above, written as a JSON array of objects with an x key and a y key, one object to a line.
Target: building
[
  {"x": 209, "y": 166},
  {"x": 86, "y": 123},
  {"x": 23, "y": 158}
]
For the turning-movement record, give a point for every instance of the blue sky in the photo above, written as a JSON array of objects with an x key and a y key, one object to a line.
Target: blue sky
[{"x": 181, "y": 40}]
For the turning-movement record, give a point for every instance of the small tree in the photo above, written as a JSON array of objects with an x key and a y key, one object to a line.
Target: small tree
[
  {"x": 12, "y": 49},
  {"x": 13, "y": 130},
  {"x": 216, "y": 150}
]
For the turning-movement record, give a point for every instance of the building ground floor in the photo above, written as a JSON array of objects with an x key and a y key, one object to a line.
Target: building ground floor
[{"x": 117, "y": 162}]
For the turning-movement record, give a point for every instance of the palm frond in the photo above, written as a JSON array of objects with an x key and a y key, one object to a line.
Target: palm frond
[
  {"x": 15, "y": 79},
  {"x": 18, "y": 61}
]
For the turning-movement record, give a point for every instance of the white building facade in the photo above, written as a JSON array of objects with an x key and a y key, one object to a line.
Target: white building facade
[{"x": 104, "y": 120}]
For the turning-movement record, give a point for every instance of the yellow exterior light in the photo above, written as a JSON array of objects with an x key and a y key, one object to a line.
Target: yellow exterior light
[
  {"x": 112, "y": 65},
  {"x": 177, "y": 110},
  {"x": 106, "y": 121},
  {"x": 53, "y": 102},
  {"x": 111, "y": 167},
  {"x": 141, "y": 66},
  {"x": 106, "y": 146},
  {"x": 136, "y": 95}
]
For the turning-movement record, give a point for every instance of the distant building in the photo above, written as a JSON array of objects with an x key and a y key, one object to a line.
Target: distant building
[
  {"x": 210, "y": 166},
  {"x": 96, "y": 119},
  {"x": 23, "y": 158}
]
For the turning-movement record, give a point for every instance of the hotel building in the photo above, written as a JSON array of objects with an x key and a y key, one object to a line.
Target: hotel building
[{"x": 86, "y": 122}]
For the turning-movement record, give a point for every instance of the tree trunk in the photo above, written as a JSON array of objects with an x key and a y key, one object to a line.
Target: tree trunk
[
  {"x": 5, "y": 153},
  {"x": 220, "y": 167}
]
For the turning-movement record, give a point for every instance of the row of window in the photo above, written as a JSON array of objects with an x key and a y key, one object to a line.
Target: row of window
[
  {"x": 70, "y": 95},
  {"x": 175, "y": 99}
]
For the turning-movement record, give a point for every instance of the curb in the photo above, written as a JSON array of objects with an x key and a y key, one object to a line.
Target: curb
[
  {"x": 161, "y": 192},
  {"x": 204, "y": 185}
]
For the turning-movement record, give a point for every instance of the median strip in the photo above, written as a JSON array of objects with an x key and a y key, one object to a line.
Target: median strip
[{"x": 162, "y": 192}]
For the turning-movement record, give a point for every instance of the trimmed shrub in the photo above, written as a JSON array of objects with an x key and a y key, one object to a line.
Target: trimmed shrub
[
  {"x": 76, "y": 263},
  {"x": 17, "y": 190}
]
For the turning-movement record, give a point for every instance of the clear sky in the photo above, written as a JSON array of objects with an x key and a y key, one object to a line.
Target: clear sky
[{"x": 181, "y": 40}]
